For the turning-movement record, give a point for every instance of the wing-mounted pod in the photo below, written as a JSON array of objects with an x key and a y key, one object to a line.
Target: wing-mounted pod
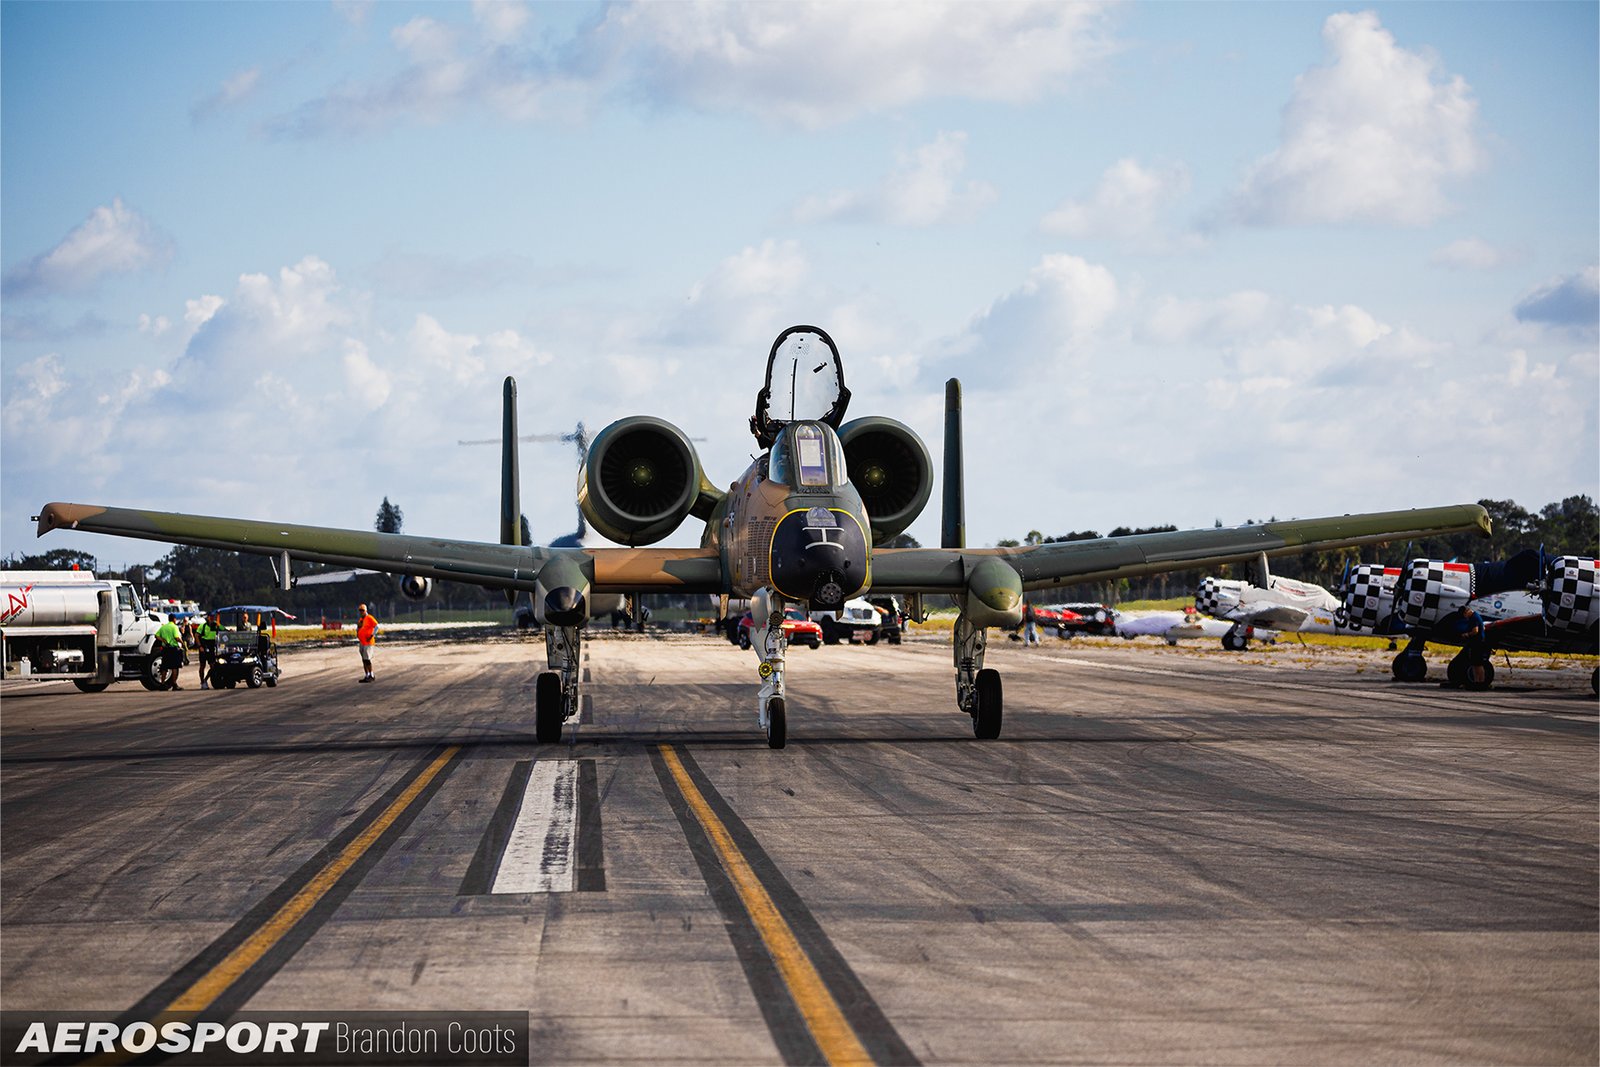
[
  {"x": 891, "y": 469},
  {"x": 805, "y": 382},
  {"x": 641, "y": 479},
  {"x": 413, "y": 587},
  {"x": 1569, "y": 594}
]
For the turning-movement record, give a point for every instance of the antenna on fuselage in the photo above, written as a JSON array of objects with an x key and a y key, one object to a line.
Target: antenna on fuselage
[{"x": 953, "y": 520}]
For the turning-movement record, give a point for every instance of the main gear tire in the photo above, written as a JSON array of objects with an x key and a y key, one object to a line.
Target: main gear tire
[
  {"x": 986, "y": 720},
  {"x": 1409, "y": 667},
  {"x": 1234, "y": 641},
  {"x": 548, "y": 708}
]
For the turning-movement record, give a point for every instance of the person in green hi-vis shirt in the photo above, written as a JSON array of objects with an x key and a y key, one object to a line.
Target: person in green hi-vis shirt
[{"x": 171, "y": 653}]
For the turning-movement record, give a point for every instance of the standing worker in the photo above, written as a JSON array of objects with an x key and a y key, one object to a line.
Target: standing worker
[
  {"x": 170, "y": 652},
  {"x": 1030, "y": 620},
  {"x": 207, "y": 636},
  {"x": 366, "y": 629}
]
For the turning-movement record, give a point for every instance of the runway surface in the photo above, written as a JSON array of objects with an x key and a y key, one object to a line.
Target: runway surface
[{"x": 1170, "y": 856}]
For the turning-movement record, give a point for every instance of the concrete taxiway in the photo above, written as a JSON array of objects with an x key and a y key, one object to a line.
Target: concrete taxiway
[{"x": 1170, "y": 856}]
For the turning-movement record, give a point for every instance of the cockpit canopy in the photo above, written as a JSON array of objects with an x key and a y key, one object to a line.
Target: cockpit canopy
[
  {"x": 807, "y": 455},
  {"x": 805, "y": 382}
]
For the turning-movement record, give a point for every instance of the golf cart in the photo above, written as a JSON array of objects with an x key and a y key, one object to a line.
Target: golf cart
[{"x": 246, "y": 651}]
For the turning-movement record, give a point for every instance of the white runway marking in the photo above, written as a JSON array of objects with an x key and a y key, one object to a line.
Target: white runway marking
[{"x": 541, "y": 855}]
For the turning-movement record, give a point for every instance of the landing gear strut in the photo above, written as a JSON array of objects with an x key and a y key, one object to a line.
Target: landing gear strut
[
  {"x": 555, "y": 692},
  {"x": 977, "y": 688}
]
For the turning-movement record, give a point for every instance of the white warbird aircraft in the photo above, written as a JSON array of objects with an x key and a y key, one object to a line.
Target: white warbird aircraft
[{"x": 1267, "y": 602}]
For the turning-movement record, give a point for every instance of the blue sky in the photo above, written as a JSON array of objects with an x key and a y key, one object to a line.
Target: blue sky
[{"x": 1191, "y": 261}]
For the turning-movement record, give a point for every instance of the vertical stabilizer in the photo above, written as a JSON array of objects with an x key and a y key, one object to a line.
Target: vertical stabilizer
[
  {"x": 510, "y": 479},
  {"x": 953, "y": 519}
]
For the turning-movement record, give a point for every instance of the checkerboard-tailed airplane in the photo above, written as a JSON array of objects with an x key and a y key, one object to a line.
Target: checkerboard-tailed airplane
[{"x": 802, "y": 526}]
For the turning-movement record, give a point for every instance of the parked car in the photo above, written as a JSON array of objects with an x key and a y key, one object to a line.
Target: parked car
[
  {"x": 798, "y": 629},
  {"x": 856, "y": 622}
]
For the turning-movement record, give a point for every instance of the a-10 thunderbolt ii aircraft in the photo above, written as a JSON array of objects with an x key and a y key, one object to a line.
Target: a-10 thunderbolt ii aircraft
[{"x": 800, "y": 527}]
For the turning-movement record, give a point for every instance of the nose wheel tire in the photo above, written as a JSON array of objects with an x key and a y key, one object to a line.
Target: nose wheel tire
[
  {"x": 777, "y": 723},
  {"x": 986, "y": 720},
  {"x": 548, "y": 709}
]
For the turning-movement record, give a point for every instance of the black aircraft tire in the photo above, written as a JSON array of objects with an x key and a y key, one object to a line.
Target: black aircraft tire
[
  {"x": 1594, "y": 680},
  {"x": 255, "y": 677},
  {"x": 1409, "y": 668},
  {"x": 90, "y": 687},
  {"x": 1485, "y": 679},
  {"x": 1455, "y": 672},
  {"x": 547, "y": 715},
  {"x": 986, "y": 723},
  {"x": 777, "y": 723},
  {"x": 1235, "y": 642}
]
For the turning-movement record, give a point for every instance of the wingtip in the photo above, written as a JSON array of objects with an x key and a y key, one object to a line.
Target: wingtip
[{"x": 55, "y": 516}]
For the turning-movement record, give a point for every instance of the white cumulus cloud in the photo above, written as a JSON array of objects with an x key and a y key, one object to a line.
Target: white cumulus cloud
[
  {"x": 1127, "y": 203},
  {"x": 1371, "y": 136},
  {"x": 1470, "y": 253},
  {"x": 114, "y": 239},
  {"x": 924, "y": 189}
]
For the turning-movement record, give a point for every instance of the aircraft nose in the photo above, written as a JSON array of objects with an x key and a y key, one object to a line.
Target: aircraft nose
[{"x": 819, "y": 555}]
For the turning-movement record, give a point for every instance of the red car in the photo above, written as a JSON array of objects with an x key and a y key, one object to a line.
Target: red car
[{"x": 796, "y": 627}]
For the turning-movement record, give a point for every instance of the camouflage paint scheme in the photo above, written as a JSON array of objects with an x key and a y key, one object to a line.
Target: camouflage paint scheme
[{"x": 703, "y": 570}]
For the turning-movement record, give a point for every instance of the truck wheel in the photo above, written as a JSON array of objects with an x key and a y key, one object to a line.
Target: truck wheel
[
  {"x": 872, "y": 637},
  {"x": 90, "y": 687},
  {"x": 157, "y": 676},
  {"x": 744, "y": 638},
  {"x": 255, "y": 677}
]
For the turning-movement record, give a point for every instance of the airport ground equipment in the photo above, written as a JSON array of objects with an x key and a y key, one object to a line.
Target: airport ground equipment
[{"x": 71, "y": 625}]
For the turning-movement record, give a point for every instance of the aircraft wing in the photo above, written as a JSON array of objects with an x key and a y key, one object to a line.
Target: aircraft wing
[
  {"x": 1273, "y": 616},
  {"x": 497, "y": 566},
  {"x": 944, "y": 570}
]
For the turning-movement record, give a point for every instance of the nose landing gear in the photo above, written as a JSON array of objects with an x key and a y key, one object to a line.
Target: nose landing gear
[{"x": 766, "y": 612}]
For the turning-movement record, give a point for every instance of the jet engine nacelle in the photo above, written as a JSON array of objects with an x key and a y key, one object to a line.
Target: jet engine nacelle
[
  {"x": 1569, "y": 594},
  {"x": 415, "y": 588},
  {"x": 639, "y": 481},
  {"x": 891, "y": 469}
]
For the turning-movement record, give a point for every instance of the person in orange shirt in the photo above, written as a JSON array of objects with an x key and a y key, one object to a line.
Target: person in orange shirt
[{"x": 366, "y": 630}]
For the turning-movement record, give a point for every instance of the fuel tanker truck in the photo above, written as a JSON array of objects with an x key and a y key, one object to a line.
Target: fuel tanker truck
[{"x": 72, "y": 625}]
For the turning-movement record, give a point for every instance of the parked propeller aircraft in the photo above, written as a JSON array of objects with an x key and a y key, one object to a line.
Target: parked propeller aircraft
[
  {"x": 801, "y": 526},
  {"x": 1174, "y": 626},
  {"x": 1266, "y": 601},
  {"x": 1527, "y": 604}
]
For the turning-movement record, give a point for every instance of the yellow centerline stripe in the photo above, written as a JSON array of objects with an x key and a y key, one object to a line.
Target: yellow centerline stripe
[
  {"x": 215, "y": 982},
  {"x": 827, "y": 1023}
]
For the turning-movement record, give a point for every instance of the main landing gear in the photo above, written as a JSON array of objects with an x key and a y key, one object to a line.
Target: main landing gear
[
  {"x": 977, "y": 688},
  {"x": 1237, "y": 639},
  {"x": 766, "y": 637},
  {"x": 555, "y": 691}
]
